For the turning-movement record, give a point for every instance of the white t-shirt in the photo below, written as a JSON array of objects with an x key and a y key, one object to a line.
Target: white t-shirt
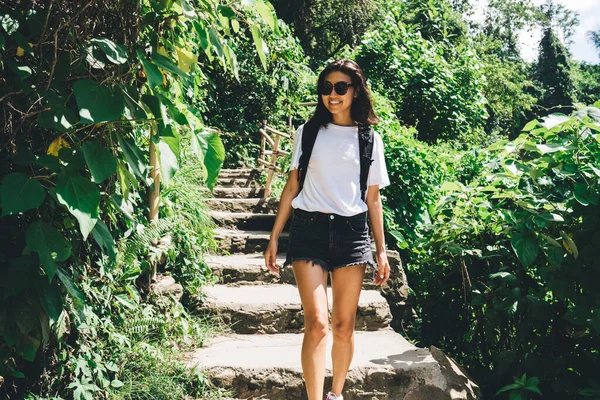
[{"x": 332, "y": 183}]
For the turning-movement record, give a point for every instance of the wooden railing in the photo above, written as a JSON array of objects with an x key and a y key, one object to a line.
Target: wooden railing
[
  {"x": 272, "y": 137},
  {"x": 275, "y": 151}
]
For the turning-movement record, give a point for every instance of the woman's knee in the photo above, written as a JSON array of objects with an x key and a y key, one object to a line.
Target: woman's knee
[
  {"x": 316, "y": 326},
  {"x": 343, "y": 329}
]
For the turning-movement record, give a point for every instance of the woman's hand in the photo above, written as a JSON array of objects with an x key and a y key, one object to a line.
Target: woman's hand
[
  {"x": 383, "y": 269},
  {"x": 271, "y": 257}
]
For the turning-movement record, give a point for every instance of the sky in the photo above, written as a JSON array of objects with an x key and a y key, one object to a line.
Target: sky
[{"x": 581, "y": 48}]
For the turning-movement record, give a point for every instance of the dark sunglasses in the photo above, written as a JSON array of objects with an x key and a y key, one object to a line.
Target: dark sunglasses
[{"x": 341, "y": 88}]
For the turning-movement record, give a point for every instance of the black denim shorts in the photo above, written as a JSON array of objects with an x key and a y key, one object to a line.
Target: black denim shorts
[{"x": 330, "y": 240}]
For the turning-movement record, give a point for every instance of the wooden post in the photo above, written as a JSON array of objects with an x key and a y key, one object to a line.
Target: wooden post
[
  {"x": 272, "y": 167},
  {"x": 262, "y": 142}
]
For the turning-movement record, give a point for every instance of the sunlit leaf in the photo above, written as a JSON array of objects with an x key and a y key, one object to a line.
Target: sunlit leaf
[
  {"x": 98, "y": 103},
  {"x": 115, "y": 53},
  {"x": 104, "y": 239},
  {"x": 153, "y": 74},
  {"x": 569, "y": 244},
  {"x": 82, "y": 198},
  {"x": 210, "y": 149},
  {"x": 261, "y": 47}
]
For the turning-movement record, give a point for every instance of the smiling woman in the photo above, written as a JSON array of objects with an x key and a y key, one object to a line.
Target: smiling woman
[{"x": 332, "y": 193}]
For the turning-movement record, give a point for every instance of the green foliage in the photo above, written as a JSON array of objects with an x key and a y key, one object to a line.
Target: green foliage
[
  {"x": 508, "y": 267},
  {"x": 436, "y": 21},
  {"x": 587, "y": 81},
  {"x": 503, "y": 21},
  {"x": 522, "y": 388},
  {"x": 87, "y": 93},
  {"x": 325, "y": 27},
  {"x": 506, "y": 90},
  {"x": 240, "y": 104},
  {"x": 435, "y": 86},
  {"x": 553, "y": 74}
]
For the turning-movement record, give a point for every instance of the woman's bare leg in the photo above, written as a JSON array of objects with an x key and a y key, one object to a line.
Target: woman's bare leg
[
  {"x": 312, "y": 286},
  {"x": 346, "y": 284}
]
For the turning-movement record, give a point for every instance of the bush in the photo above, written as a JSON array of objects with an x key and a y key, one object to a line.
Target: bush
[
  {"x": 509, "y": 275},
  {"x": 436, "y": 87}
]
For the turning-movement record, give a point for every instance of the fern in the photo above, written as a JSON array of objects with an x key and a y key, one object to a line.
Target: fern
[
  {"x": 140, "y": 242},
  {"x": 143, "y": 325}
]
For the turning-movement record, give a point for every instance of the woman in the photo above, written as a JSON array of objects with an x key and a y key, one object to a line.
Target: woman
[{"x": 329, "y": 232}]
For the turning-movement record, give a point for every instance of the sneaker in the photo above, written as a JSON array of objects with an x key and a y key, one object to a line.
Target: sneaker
[{"x": 332, "y": 396}]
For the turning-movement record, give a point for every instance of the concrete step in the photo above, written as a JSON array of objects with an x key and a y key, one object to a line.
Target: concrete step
[
  {"x": 385, "y": 367},
  {"x": 238, "y": 182},
  {"x": 248, "y": 269},
  {"x": 234, "y": 241},
  {"x": 245, "y": 221},
  {"x": 237, "y": 192},
  {"x": 238, "y": 173},
  {"x": 277, "y": 308},
  {"x": 257, "y": 205}
]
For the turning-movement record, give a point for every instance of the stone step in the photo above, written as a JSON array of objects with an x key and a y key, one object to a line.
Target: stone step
[
  {"x": 385, "y": 366},
  {"x": 277, "y": 308},
  {"x": 257, "y": 205},
  {"x": 238, "y": 182},
  {"x": 237, "y": 192},
  {"x": 238, "y": 173},
  {"x": 246, "y": 269},
  {"x": 245, "y": 221},
  {"x": 234, "y": 241}
]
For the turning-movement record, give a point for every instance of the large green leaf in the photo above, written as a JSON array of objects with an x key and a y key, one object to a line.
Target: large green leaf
[
  {"x": 59, "y": 117},
  {"x": 210, "y": 149},
  {"x": 20, "y": 193},
  {"x": 266, "y": 13},
  {"x": 153, "y": 74},
  {"x": 105, "y": 240},
  {"x": 202, "y": 35},
  {"x": 98, "y": 103},
  {"x": 132, "y": 100},
  {"x": 261, "y": 46},
  {"x": 168, "y": 65},
  {"x": 50, "y": 298},
  {"x": 49, "y": 244},
  {"x": 216, "y": 42},
  {"x": 82, "y": 198},
  {"x": 583, "y": 195},
  {"x": 168, "y": 161},
  {"x": 100, "y": 161},
  {"x": 526, "y": 247},
  {"x": 134, "y": 156},
  {"x": 76, "y": 294},
  {"x": 115, "y": 53},
  {"x": 123, "y": 205}
]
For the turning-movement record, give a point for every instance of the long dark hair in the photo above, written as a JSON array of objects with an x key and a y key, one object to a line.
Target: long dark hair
[{"x": 362, "y": 106}]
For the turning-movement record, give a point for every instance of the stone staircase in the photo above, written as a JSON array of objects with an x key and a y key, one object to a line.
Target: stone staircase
[{"x": 260, "y": 359}]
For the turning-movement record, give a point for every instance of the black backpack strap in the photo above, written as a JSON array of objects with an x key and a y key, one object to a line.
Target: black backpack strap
[
  {"x": 309, "y": 136},
  {"x": 365, "y": 145}
]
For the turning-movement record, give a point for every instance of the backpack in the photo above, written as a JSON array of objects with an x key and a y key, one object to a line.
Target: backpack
[{"x": 365, "y": 145}]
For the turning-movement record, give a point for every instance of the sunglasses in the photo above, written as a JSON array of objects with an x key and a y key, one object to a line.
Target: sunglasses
[{"x": 341, "y": 88}]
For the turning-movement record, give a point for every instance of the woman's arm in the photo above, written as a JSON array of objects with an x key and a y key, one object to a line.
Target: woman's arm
[
  {"x": 373, "y": 201},
  {"x": 290, "y": 191}
]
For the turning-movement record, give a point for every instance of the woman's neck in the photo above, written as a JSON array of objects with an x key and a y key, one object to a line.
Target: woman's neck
[{"x": 343, "y": 120}]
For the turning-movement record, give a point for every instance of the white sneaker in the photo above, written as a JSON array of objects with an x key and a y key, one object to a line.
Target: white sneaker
[{"x": 332, "y": 396}]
